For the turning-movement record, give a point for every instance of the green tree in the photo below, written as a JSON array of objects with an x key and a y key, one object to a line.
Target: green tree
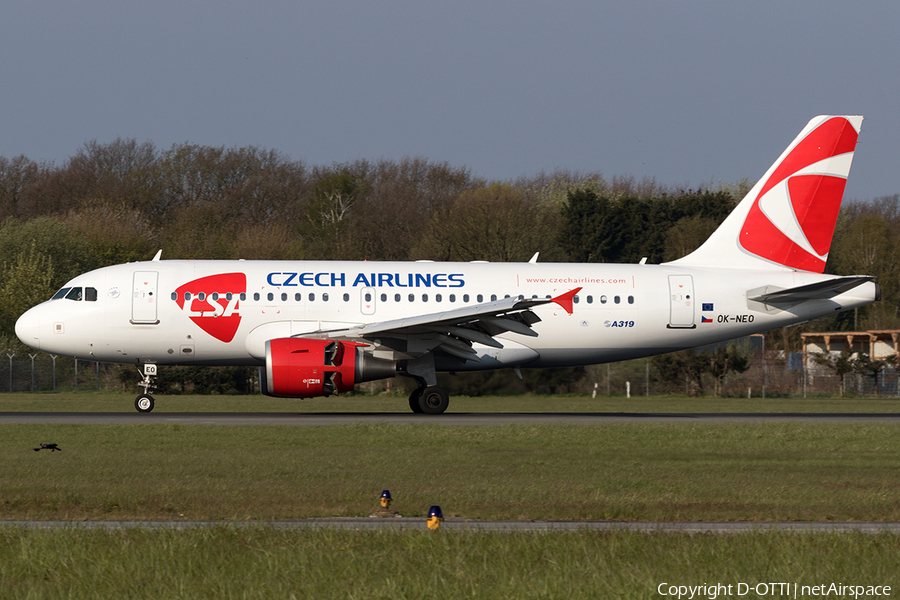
[
  {"x": 496, "y": 223},
  {"x": 725, "y": 360},
  {"x": 869, "y": 367},
  {"x": 599, "y": 228},
  {"x": 16, "y": 176},
  {"x": 24, "y": 282},
  {"x": 114, "y": 232},
  {"x": 687, "y": 234},
  {"x": 841, "y": 363},
  {"x": 68, "y": 250},
  {"x": 685, "y": 365},
  {"x": 329, "y": 212}
]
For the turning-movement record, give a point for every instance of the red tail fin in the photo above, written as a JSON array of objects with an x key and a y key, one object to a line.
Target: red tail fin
[
  {"x": 793, "y": 217},
  {"x": 788, "y": 218}
]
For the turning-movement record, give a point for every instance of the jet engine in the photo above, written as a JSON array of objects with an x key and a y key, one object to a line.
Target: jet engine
[{"x": 306, "y": 368}]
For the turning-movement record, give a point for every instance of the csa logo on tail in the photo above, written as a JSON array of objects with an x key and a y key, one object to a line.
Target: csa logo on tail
[
  {"x": 218, "y": 316},
  {"x": 793, "y": 218}
]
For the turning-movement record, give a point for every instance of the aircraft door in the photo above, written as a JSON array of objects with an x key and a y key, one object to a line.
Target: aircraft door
[
  {"x": 681, "y": 302},
  {"x": 367, "y": 300},
  {"x": 144, "y": 299}
]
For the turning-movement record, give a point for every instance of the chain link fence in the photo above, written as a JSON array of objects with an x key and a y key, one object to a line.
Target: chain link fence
[
  {"x": 769, "y": 375},
  {"x": 41, "y": 372}
]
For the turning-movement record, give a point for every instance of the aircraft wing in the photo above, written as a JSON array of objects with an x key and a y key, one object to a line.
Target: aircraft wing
[
  {"x": 454, "y": 331},
  {"x": 814, "y": 291}
]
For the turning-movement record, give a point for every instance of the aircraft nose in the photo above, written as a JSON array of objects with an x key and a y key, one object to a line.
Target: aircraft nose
[{"x": 28, "y": 328}]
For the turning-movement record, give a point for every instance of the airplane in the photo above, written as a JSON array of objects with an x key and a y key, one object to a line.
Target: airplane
[{"x": 317, "y": 328}]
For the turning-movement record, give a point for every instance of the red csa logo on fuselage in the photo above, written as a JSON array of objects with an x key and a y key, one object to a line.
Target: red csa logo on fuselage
[{"x": 219, "y": 317}]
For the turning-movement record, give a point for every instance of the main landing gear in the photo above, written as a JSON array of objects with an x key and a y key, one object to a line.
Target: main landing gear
[
  {"x": 429, "y": 400},
  {"x": 144, "y": 403}
]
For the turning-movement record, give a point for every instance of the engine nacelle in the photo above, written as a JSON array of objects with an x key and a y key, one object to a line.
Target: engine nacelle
[{"x": 306, "y": 368}]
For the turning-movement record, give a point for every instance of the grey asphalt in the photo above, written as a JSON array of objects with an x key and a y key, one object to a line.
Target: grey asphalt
[
  {"x": 406, "y": 523},
  {"x": 312, "y": 419}
]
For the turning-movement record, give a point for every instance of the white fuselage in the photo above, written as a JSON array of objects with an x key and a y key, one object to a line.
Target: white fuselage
[{"x": 153, "y": 312}]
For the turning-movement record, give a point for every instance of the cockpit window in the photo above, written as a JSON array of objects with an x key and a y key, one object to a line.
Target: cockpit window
[{"x": 75, "y": 293}]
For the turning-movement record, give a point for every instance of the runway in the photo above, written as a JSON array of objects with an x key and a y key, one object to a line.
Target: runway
[
  {"x": 455, "y": 419},
  {"x": 412, "y": 523}
]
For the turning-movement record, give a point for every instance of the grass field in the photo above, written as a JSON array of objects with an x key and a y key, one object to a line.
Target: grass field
[
  {"x": 109, "y": 402},
  {"x": 629, "y": 471},
  {"x": 640, "y": 471},
  {"x": 262, "y": 562}
]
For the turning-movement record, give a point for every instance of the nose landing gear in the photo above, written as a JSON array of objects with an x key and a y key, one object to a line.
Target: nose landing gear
[{"x": 144, "y": 403}]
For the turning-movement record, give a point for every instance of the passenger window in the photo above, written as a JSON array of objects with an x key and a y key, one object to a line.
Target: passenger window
[
  {"x": 590, "y": 299},
  {"x": 243, "y": 296},
  {"x": 452, "y": 297},
  {"x": 298, "y": 297},
  {"x": 630, "y": 299},
  {"x": 202, "y": 296},
  {"x": 215, "y": 295},
  {"x": 479, "y": 298},
  {"x": 325, "y": 297},
  {"x": 438, "y": 297},
  {"x": 283, "y": 297},
  {"x": 270, "y": 296},
  {"x": 229, "y": 296},
  {"x": 174, "y": 295},
  {"x": 368, "y": 297},
  {"x": 384, "y": 297},
  {"x": 346, "y": 297},
  {"x": 576, "y": 299},
  {"x": 493, "y": 297},
  {"x": 396, "y": 297},
  {"x": 602, "y": 299},
  {"x": 424, "y": 297},
  {"x": 465, "y": 298},
  {"x": 412, "y": 297},
  {"x": 256, "y": 296},
  {"x": 90, "y": 294},
  {"x": 74, "y": 294},
  {"x": 616, "y": 299}
]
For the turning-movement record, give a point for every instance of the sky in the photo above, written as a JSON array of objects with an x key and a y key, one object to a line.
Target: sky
[{"x": 689, "y": 93}]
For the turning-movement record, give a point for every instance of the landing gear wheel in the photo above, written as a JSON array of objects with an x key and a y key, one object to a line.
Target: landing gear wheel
[
  {"x": 144, "y": 403},
  {"x": 414, "y": 400},
  {"x": 433, "y": 400}
]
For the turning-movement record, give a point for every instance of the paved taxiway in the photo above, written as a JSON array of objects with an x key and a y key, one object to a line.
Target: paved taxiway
[
  {"x": 369, "y": 524},
  {"x": 310, "y": 419}
]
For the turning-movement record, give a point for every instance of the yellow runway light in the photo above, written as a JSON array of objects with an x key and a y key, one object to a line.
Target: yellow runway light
[{"x": 435, "y": 516}]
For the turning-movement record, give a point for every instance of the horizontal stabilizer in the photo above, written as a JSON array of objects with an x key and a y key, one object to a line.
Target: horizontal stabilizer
[{"x": 814, "y": 291}]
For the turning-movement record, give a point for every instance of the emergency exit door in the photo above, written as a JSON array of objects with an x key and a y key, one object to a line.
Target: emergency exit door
[
  {"x": 681, "y": 302},
  {"x": 144, "y": 298}
]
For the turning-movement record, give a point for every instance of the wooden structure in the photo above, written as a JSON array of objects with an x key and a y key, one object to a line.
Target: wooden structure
[{"x": 876, "y": 343}]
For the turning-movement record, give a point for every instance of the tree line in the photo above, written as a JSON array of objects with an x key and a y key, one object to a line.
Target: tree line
[{"x": 122, "y": 201}]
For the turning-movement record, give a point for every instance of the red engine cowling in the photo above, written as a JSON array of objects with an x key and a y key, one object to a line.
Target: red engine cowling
[{"x": 306, "y": 368}]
